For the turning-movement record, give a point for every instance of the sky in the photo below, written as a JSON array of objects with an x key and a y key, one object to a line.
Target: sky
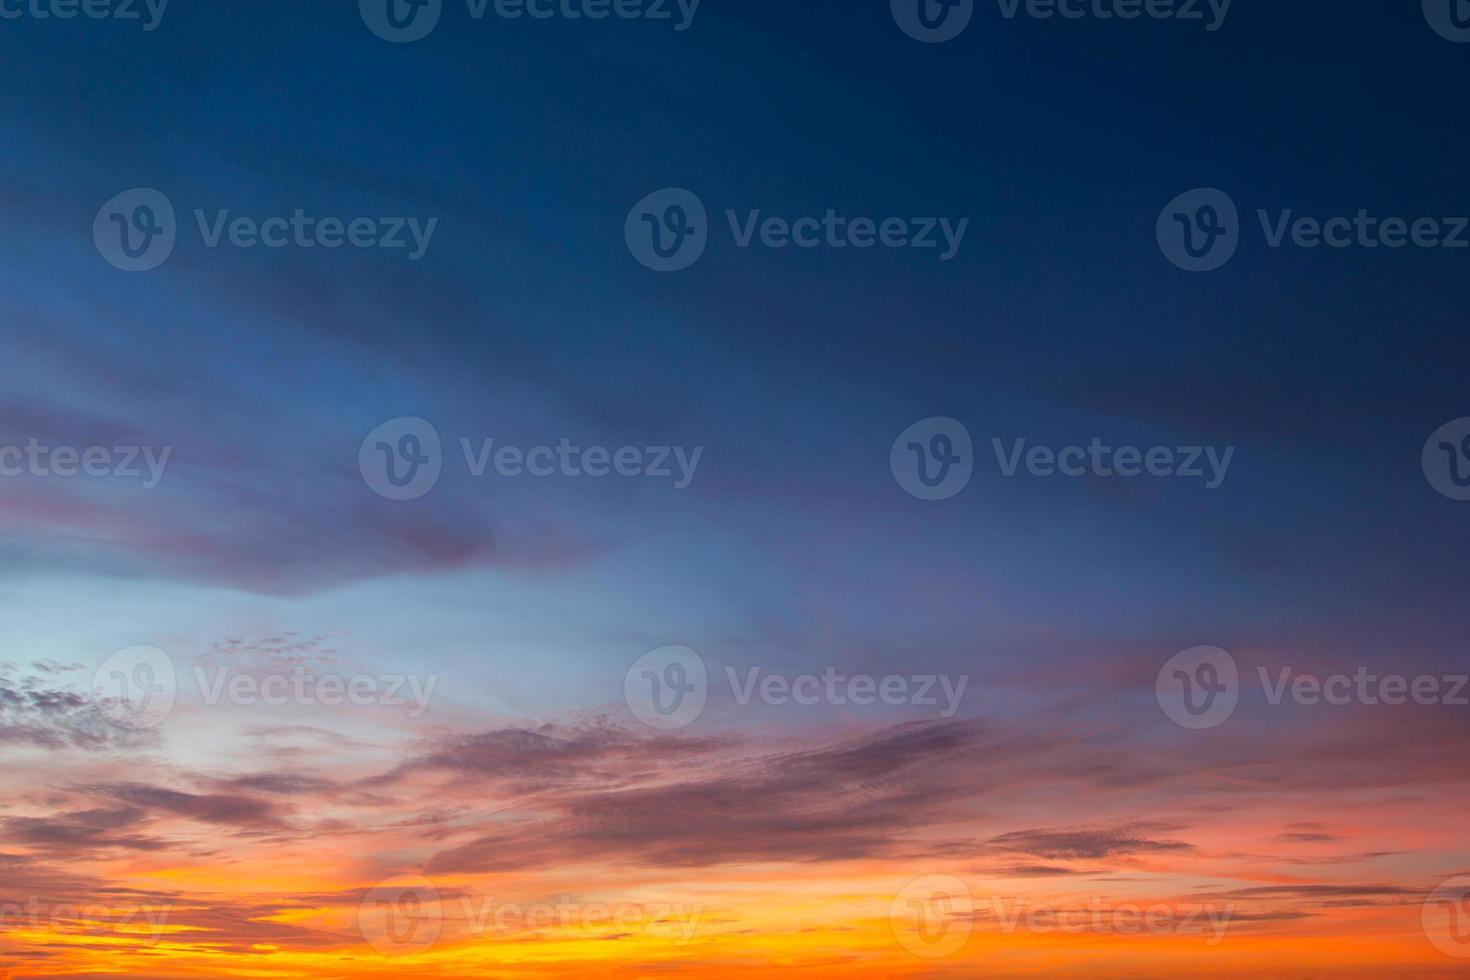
[{"x": 488, "y": 490}]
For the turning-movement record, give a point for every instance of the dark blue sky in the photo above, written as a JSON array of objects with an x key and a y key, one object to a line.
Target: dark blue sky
[{"x": 1058, "y": 321}]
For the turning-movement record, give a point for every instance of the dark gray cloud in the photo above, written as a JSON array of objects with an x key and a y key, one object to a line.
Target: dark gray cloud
[{"x": 1082, "y": 843}]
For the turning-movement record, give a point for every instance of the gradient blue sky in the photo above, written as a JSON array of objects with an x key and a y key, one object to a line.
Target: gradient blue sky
[{"x": 528, "y": 321}]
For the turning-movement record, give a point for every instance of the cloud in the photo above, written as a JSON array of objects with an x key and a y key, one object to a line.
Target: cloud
[
  {"x": 551, "y": 754},
  {"x": 214, "y": 808},
  {"x": 79, "y": 830},
  {"x": 34, "y": 713},
  {"x": 282, "y": 783},
  {"x": 1087, "y": 842},
  {"x": 850, "y": 800}
]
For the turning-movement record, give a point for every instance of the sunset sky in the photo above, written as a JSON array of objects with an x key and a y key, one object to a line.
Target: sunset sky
[{"x": 495, "y": 800}]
